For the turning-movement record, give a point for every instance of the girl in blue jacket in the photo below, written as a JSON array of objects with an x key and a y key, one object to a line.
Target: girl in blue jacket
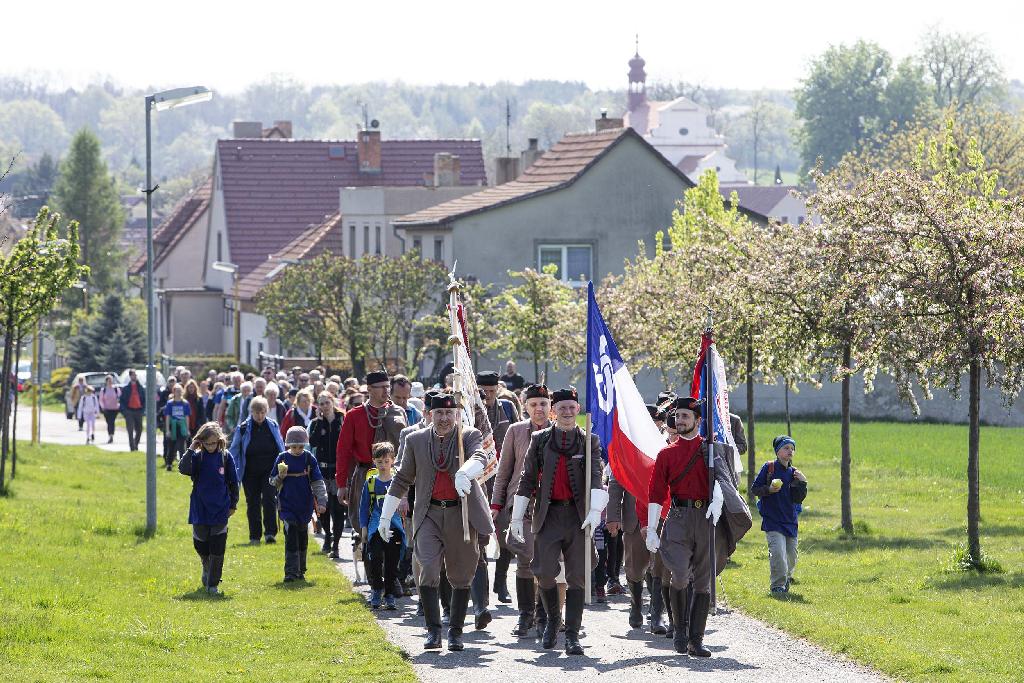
[{"x": 214, "y": 498}]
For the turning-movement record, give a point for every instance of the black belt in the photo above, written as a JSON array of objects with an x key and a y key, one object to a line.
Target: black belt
[
  {"x": 687, "y": 503},
  {"x": 445, "y": 503},
  {"x": 554, "y": 503}
]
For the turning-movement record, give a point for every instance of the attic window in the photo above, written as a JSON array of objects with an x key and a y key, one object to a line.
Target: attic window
[
  {"x": 336, "y": 151},
  {"x": 684, "y": 131}
]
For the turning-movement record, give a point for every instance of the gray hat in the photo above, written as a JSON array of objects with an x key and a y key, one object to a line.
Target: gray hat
[{"x": 296, "y": 435}]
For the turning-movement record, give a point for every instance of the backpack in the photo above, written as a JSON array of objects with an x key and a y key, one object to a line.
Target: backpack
[{"x": 771, "y": 475}]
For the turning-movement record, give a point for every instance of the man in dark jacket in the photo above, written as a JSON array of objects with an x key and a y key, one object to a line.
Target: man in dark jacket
[
  {"x": 323, "y": 442},
  {"x": 133, "y": 407}
]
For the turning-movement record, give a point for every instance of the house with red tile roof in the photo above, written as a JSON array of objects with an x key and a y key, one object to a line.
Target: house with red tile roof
[{"x": 265, "y": 194}]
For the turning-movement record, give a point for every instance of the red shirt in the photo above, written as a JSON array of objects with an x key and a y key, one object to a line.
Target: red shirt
[
  {"x": 560, "y": 489},
  {"x": 134, "y": 403},
  {"x": 354, "y": 444},
  {"x": 671, "y": 462},
  {"x": 444, "y": 488}
]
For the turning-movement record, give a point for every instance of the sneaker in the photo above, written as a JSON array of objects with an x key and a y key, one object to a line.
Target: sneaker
[
  {"x": 288, "y": 579},
  {"x": 268, "y": 538},
  {"x": 389, "y": 602},
  {"x": 110, "y": 440},
  {"x": 375, "y": 596},
  {"x": 614, "y": 588},
  {"x": 600, "y": 594},
  {"x": 334, "y": 553},
  {"x": 213, "y": 590},
  {"x": 254, "y": 541},
  {"x": 779, "y": 589}
]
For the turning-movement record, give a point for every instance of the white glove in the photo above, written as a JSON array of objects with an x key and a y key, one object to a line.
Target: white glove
[
  {"x": 715, "y": 508},
  {"x": 598, "y": 501},
  {"x": 653, "y": 517},
  {"x": 387, "y": 512},
  {"x": 515, "y": 527},
  {"x": 465, "y": 476}
]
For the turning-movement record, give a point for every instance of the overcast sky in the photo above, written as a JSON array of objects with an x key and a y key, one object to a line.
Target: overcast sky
[{"x": 227, "y": 45}]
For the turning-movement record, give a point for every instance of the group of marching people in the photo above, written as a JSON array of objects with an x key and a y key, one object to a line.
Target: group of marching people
[{"x": 423, "y": 500}]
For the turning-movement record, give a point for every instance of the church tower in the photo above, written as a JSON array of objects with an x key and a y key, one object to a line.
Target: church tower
[{"x": 637, "y": 80}]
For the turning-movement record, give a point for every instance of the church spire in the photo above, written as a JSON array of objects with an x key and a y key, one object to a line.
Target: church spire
[{"x": 637, "y": 79}]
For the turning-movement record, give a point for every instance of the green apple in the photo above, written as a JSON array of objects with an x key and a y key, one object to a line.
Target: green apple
[{"x": 776, "y": 484}]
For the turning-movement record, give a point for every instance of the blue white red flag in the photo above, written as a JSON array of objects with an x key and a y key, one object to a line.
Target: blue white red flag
[
  {"x": 715, "y": 412},
  {"x": 619, "y": 417}
]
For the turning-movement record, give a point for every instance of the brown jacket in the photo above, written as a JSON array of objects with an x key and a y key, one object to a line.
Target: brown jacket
[
  {"x": 622, "y": 506},
  {"x": 579, "y": 482},
  {"x": 418, "y": 469},
  {"x": 510, "y": 466}
]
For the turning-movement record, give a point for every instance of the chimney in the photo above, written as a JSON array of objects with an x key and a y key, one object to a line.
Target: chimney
[
  {"x": 605, "y": 123},
  {"x": 247, "y": 129},
  {"x": 446, "y": 169},
  {"x": 368, "y": 151},
  {"x": 285, "y": 127},
  {"x": 529, "y": 155},
  {"x": 505, "y": 169}
]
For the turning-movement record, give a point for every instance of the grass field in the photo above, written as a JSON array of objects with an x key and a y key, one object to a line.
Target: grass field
[
  {"x": 885, "y": 597},
  {"x": 85, "y": 595}
]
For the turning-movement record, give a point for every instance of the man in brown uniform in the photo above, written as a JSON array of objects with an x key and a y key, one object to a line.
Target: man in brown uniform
[
  {"x": 681, "y": 475},
  {"x": 554, "y": 471},
  {"x": 506, "y": 483},
  {"x": 430, "y": 463}
]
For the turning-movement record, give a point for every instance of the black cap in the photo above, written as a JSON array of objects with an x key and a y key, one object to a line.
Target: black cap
[
  {"x": 688, "y": 403},
  {"x": 653, "y": 410},
  {"x": 429, "y": 396},
  {"x": 487, "y": 379},
  {"x": 443, "y": 401},
  {"x": 568, "y": 394},
  {"x": 536, "y": 391},
  {"x": 376, "y": 377}
]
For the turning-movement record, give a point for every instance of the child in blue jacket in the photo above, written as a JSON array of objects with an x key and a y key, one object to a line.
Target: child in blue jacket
[
  {"x": 780, "y": 489},
  {"x": 214, "y": 498},
  {"x": 383, "y": 558},
  {"x": 300, "y": 486}
]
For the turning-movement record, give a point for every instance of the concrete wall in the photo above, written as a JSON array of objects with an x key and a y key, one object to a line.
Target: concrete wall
[
  {"x": 625, "y": 198},
  {"x": 195, "y": 323}
]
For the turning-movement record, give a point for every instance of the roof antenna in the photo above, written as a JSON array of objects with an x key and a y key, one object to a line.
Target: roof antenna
[{"x": 508, "y": 126}]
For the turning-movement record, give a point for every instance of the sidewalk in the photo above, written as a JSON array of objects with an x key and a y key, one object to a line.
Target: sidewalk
[
  {"x": 744, "y": 648},
  {"x": 58, "y": 429}
]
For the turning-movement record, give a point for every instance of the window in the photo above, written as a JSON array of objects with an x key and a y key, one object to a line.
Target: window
[
  {"x": 248, "y": 352},
  {"x": 799, "y": 220},
  {"x": 438, "y": 249},
  {"x": 684, "y": 131},
  {"x": 366, "y": 239},
  {"x": 417, "y": 245},
  {"x": 377, "y": 242},
  {"x": 574, "y": 262},
  {"x": 351, "y": 241},
  {"x": 785, "y": 219}
]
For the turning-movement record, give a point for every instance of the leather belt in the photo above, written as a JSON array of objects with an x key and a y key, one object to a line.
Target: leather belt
[
  {"x": 445, "y": 503},
  {"x": 554, "y": 503},
  {"x": 687, "y": 503}
]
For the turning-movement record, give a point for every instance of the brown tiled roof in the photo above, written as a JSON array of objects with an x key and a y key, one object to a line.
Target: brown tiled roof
[
  {"x": 189, "y": 209},
  {"x": 760, "y": 199},
  {"x": 313, "y": 241},
  {"x": 688, "y": 164},
  {"x": 558, "y": 167},
  {"x": 273, "y": 189}
]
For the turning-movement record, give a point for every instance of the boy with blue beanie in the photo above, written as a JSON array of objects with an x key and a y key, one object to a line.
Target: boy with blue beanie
[
  {"x": 300, "y": 485},
  {"x": 780, "y": 488}
]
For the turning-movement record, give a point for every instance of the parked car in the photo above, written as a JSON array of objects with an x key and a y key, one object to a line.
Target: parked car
[{"x": 94, "y": 379}]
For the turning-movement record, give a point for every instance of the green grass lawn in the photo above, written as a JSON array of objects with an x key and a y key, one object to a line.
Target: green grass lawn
[
  {"x": 85, "y": 595},
  {"x": 884, "y": 598}
]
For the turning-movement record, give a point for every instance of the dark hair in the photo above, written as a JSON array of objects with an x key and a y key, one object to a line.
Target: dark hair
[
  {"x": 400, "y": 379},
  {"x": 381, "y": 449}
]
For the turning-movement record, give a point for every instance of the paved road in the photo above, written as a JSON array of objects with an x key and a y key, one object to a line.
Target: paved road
[
  {"x": 60, "y": 430},
  {"x": 743, "y": 649}
]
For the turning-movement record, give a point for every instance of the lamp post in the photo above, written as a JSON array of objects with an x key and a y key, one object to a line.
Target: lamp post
[
  {"x": 225, "y": 267},
  {"x": 161, "y": 101}
]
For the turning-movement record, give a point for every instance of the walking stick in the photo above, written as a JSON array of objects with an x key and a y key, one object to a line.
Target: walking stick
[{"x": 588, "y": 579}]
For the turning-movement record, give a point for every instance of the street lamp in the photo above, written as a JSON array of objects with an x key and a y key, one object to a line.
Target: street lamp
[
  {"x": 168, "y": 99},
  {"x": 225, "y": 267}
]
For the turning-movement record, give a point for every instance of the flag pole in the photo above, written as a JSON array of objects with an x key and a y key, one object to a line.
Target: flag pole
[
  {"x": 588, "y": 579},
  {"x": 454, "y": 340},
  {"x": 710, "y": 427}
]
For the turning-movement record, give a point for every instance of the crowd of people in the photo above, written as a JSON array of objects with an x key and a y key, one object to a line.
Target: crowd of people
[{"x": 381, "y": 457}]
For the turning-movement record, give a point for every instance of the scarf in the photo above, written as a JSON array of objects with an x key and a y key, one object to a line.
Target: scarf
[{"x": 444, "y": 451}]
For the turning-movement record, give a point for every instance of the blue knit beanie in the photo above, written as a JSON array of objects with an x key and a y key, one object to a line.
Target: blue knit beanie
[{"x": 780, "y": 441}]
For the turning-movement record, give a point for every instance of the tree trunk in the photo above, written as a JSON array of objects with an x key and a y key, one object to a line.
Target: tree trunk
[
  {"x": 5, "y": 389},
  {"x": 973, "y": 465},
  {"x": 789, "y": 421},
  {"x": 355, "y": 334},
  {"x": 536, "y": 367},
  {"x": 751, "y": 441},
  {"x": 17, "y": 395},
  {"x": 844, "y": 438}
]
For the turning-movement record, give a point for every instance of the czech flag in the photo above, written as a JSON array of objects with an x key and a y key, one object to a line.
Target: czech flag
[
  {"x": 619, "y": 416},
  {"x": 715, "y": 405}
]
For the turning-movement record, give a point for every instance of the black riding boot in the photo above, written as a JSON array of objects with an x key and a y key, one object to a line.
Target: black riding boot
[
  {"x": 698, "y": 622},
  {"x": 549, "y": 596},
  {"x": 501, "y": 576},
  {"x": 206, "y": 569},
  {"x": 526, "y": 599},
  {"x": 480, "y": 594},
  {"x": 657, "y": 608},
  {"x": 457, "y": 617},
  {"x": 431, "y": 603},
  {"x": 667, "y": 600},
  {"x": 445, "y": 591},
  {"x": 542, "y": 614},
  {"x": 680, "y": 602},
  {"x": 636, "y": 603},
  {"x": 573, "y": 620}
]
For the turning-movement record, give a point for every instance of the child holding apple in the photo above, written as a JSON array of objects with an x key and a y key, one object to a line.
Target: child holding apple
[
  {"x": 296, "y": 474},
  {"x": 780, "y": 487}
]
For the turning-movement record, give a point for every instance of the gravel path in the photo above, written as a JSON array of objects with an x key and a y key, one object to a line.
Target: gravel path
[{"x": 741, "y": 647}]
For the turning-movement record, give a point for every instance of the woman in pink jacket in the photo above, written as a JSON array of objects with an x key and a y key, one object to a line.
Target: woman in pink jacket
[{"x": 110, "y": 404}]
